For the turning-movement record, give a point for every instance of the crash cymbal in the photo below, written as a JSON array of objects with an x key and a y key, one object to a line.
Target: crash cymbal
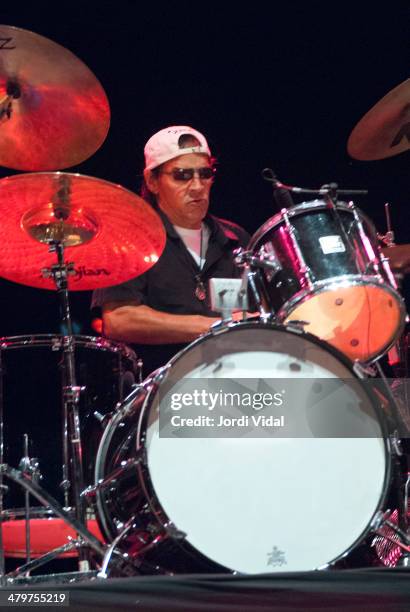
[
  {"x": 399, "y": 257},
  {"x": 53, "y": 111},
  {"x": 385, "y": 130},
  {"x": 110, "y": 233}
]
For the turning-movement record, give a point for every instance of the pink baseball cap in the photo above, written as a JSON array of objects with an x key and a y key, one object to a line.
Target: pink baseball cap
[{"x": 164, "y": 145}]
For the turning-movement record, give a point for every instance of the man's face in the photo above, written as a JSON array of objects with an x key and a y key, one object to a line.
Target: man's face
[{"x": 184, "y": 202}]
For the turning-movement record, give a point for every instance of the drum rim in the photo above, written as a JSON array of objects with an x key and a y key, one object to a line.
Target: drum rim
[
  {"x": 151, "y": 387},
  {"x": 301, "y": 208},
  {"x": 55, "y": 341},
  {"x": 128, "y": 406},
  {"x": 260, "y": 322}
]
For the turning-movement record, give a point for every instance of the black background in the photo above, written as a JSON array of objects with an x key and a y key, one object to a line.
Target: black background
[{"x": 270, "y": 84}]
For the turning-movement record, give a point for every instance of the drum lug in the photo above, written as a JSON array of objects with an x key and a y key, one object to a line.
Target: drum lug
[
  {"x": 396, "y": 445},
  {"x": 158, "y": 376},
  {"x": 304, "y": 268},
  {"x": 103, "y": 419},
  {"x": 296, "y": 325},
  {"x": 173, "y": 532},
  {"x": 91, "y": 491},
  {"x": 382, "y": 519},
  {"x": 363, "y": 371},
  {"x": 389, "y": 274}
]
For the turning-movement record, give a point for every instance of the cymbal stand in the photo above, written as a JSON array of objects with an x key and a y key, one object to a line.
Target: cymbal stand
[
  {"x": 71, "y": 395},
  {"x": 30, "y": 467}
]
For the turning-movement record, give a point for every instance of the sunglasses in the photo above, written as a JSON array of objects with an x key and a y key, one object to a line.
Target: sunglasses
[{"x": 187, "y": 174}]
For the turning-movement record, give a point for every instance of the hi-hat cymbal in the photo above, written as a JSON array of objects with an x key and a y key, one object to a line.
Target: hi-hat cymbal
[
  {"x": 399, "y": 257},
  {"x": 110, "y": 233},
  {"x": 53, "y": 111},
  {"x": 385, "y": 130}
]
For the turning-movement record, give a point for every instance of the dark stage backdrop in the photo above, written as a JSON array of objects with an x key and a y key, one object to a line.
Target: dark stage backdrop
[{"x": 270, "y": 84}]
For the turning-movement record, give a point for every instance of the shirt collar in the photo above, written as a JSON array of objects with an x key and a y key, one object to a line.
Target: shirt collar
[{"x": 219, "y": 233}]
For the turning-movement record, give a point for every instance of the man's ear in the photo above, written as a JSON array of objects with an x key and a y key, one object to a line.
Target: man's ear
[{"x": 151, "y": 181}]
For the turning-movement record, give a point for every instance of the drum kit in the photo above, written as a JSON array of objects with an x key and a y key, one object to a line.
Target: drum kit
[{"x": 106, "y": 488}]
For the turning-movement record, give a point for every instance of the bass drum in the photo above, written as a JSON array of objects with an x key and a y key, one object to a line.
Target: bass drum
[{"x": 241, "y": 504}]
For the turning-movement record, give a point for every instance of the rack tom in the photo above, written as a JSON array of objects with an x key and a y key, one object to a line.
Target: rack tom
[{"x": 331, "y": 277}]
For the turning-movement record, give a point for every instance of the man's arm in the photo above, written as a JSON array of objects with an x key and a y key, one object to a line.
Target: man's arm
[{"x": 142, "y": 324}]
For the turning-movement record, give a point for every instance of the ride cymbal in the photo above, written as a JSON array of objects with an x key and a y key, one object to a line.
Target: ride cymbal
[
  {"x": 110, "y": 233},
  {"x": 385, "y": 130},
  {"x": 53, "y": 111}
]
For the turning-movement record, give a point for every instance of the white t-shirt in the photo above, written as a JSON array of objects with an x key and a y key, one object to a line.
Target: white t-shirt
[{"x": 192, "y": 241}]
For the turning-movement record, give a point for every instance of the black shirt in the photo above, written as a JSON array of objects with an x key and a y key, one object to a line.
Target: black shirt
[{"x": 169, "y": 286}]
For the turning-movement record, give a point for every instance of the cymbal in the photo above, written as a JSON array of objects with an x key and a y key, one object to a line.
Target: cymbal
[
  {"x": 385, "y": 130},
  {"x": 399, "y": 257},
  {"x": 110, "y": 233},
  {"x": 53, "y": 111}
]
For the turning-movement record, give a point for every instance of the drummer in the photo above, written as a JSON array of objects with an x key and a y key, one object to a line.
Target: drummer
[{"x": 168, "y": 306}]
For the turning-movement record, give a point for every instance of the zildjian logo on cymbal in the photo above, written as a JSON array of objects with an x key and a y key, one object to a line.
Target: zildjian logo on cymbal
[{"x": 83, "y": 271}]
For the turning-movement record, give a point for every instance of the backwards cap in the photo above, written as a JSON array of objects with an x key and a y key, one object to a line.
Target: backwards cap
[{"x": 165, "y": 145}]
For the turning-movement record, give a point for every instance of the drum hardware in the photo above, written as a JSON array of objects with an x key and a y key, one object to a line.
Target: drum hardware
[
  {"x": 264, "y": 261},
  {"x": 252, "y": 279},
  {"x": 71, "y": 395},
  {"x": 31, "y": 469},
  {"x": 388, "y": 237},
  {"x": 307, "y": 277},
  {"x": 297, "y": 325},
  {"x": 48, "y": 501},
  {"x": 140, "y": 365},
  {"x": 54, "y": 579},
  {"x": 128, "y": 465},
  {"x": 281, "y": 194},
  {"x": 85, "y": 537},
  {"x": 385, "y": 129},
  {"x": 364, "y": 370},
  {"x": 331, "y": 188},
  {"x": 103, "y": 419},
  {"x": 114, "y": 545},
  {"x": 383, "y": 519},
  {"x": 31, "y": 565},
  {"x": 53, "y": 111},
  {"x": 228, "y": 295},
  {"x": 392, "y": 540}
]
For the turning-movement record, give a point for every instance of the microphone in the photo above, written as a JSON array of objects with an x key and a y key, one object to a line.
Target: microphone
[
  {"x": 281, "y": 195},
  {"x": 283, "y": 198}
]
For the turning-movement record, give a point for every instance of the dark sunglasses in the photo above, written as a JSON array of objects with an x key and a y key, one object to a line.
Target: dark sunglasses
[{"x": 187, "y": 174}]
